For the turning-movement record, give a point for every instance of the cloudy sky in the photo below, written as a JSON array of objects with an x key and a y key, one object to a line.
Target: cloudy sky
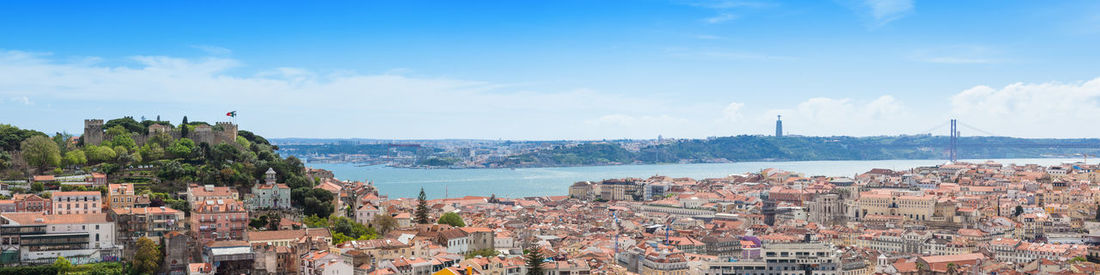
[{"x": 559, "y": 69}]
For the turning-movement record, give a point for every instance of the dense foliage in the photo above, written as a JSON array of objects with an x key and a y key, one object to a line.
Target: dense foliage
[
  {"x": 147, "y": 258},
  {"x": 452, "y": 219},
  {"x": 41, "y": 152},
  {"x": 343, "y": 229},
  {"x": 11, "y": 137},
  {"x": 534, "y": 262},
  {"x": 169, "y": 164},
  {"x": 422, "y": 207}
]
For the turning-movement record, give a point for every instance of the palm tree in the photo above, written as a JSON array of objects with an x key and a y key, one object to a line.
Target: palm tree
[{"x": 951, "y": 268}]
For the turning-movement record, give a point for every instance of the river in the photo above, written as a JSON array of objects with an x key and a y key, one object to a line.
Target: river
[{"x": 555, "y": 181}]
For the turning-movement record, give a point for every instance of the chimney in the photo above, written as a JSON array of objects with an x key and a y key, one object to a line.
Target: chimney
[{"x": 469, "y": 270}]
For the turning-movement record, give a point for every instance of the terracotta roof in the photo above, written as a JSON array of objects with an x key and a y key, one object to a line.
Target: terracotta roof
[
  {"x": 144, "y": 210},
  {"x": 259, "y": 236},
  {"x": 75, "y": 193},
  {"x": 39, "y": 218}
]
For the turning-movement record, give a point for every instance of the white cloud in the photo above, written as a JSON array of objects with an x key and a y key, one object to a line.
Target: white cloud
[
  {"x": 721, "y": 17},
  {"x": 708, "y": 37},
  {"x": 22, "y": 100},
  {"x": 726, "y": 9},
  {"x": 958, "y": 54},
  {"x": 732, "y": 112},
  {"x": 316, "y": 104},
  {"x": 887, "y": 10},
  {"x": 722, "y": 54},
  {"x": 881, "y": 12},
  {"x": 884, "y": 115},
  {"x": 1031, "y": 109},
  {"x": 213, "y": 50}
]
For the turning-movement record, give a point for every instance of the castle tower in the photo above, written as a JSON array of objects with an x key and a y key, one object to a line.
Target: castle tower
[
  {"x": 93, "y": 131},
  {"x": 269, "y": 176},
  {"x": 779, "y": 125},
  {"x": 226, "y": 132}
]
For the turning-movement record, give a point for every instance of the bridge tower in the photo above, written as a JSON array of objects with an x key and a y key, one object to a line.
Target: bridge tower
[{"x": 954, "y": 141}]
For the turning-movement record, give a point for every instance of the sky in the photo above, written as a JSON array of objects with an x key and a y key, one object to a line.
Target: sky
[{"x": 539, "y": 70}]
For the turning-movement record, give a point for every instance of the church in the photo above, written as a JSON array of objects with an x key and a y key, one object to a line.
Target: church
[{"x": 270, "y": 195}]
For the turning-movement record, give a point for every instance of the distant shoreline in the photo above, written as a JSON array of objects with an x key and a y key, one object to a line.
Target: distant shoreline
[{"x": 366, "y": 164}]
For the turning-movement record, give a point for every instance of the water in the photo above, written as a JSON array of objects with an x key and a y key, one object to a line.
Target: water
[{"x": 525, "y": 182}]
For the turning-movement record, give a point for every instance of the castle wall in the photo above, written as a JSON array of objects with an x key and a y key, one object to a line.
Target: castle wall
[
  {"x": 94, "y": 134},
  {"x": 93, "y": 131}
]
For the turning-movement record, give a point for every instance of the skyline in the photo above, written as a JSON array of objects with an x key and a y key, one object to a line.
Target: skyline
[{"x": 562, "y": 70}]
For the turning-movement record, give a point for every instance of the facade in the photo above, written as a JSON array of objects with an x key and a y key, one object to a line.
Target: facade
[
  {"x": 456, "y": 240},
  {"x": 286, "y": 238},
  {"x": 324, "y": 263},
  {"x": 196, "y": 193},
  {"x": 480, "y": 238},
  {"x": 218, "y": 220},
  {"x": 32, "y": 203},
  {"x": 41, "y": 238},
  {"x": 897, "y": 203},
  {"x": 76, "y": 202},
  {"x": 120, "y": 195},
  {"x": 269, "y": 194},
  {"x": 150, "y": 222},
  {"x": 176, "y": 253},
  {"x": 783, "y": 259}
]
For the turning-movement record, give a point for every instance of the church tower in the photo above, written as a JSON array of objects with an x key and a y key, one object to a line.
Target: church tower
[
  {"x": 269, "y": 176},
  {"x": 779, "y": 125}
]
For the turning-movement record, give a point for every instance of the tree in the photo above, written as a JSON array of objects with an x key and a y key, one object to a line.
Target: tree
[
  {"x": 952, "y": 268},
  {"x": 273, "y": 222},
  {"x": 315, "y": 222},
  {"x": 534, "y": 262},
  {"x": 1019, "y": 210},
  {"x": 100, "y": 154},
  {"x": 147, "y": 258},
  {"x": 123, "y": 139},
  {"x": 127, "y": 123},
  {"x": 452, "y": 219},
  {"x": 38, "y": 187},
  {"x": 384, "y": 223},
  {"x": 422, "y": 208},
  {"x": 184, "y": 130},
  {"x": 62, "y": 140},
  {"x": 62, "y": 265},
  {"x": 11, "y": 136},
  {"x": 75, "y": 157},
  {"x": 182, "y": 148},
  {"x": 258, "y": 222},
  {"x": 41, "y": 151},
  {"x": 488, "y": 252}
]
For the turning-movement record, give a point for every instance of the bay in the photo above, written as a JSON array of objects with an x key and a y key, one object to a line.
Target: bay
[{"x": 555, "y": 181}]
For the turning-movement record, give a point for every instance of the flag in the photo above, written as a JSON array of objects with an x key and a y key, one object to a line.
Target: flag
[{"x": 231, "y": 114}]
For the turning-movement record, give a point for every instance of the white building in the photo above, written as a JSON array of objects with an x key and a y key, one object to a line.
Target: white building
[
  {"x": 365, "y": 214},
  {"x": 76, "y": 202},
  {"x": 270, "y": 195},
  {"x": 40, "y": 238}
]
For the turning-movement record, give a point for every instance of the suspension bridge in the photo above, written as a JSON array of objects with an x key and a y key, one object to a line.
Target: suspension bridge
[{"x": 954, "y": 142}]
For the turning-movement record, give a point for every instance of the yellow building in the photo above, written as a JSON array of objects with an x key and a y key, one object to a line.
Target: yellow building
[
  {"x": 908, "y": 204},
  {"x": 120, "y": 195}
]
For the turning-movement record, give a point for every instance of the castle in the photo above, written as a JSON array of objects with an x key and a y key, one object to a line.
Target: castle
[{"x": 221, "y": 132}]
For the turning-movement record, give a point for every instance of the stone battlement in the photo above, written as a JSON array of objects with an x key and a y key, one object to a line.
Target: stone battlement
[{"x": 220, "y": 133}]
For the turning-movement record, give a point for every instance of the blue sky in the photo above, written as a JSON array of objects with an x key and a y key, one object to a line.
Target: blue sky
[{"x": 558, "y": 69}]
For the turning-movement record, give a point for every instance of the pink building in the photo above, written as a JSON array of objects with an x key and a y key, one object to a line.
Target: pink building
[
  {"x": 218, "y": 220},
  {"x": 77, "y": 202}
]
